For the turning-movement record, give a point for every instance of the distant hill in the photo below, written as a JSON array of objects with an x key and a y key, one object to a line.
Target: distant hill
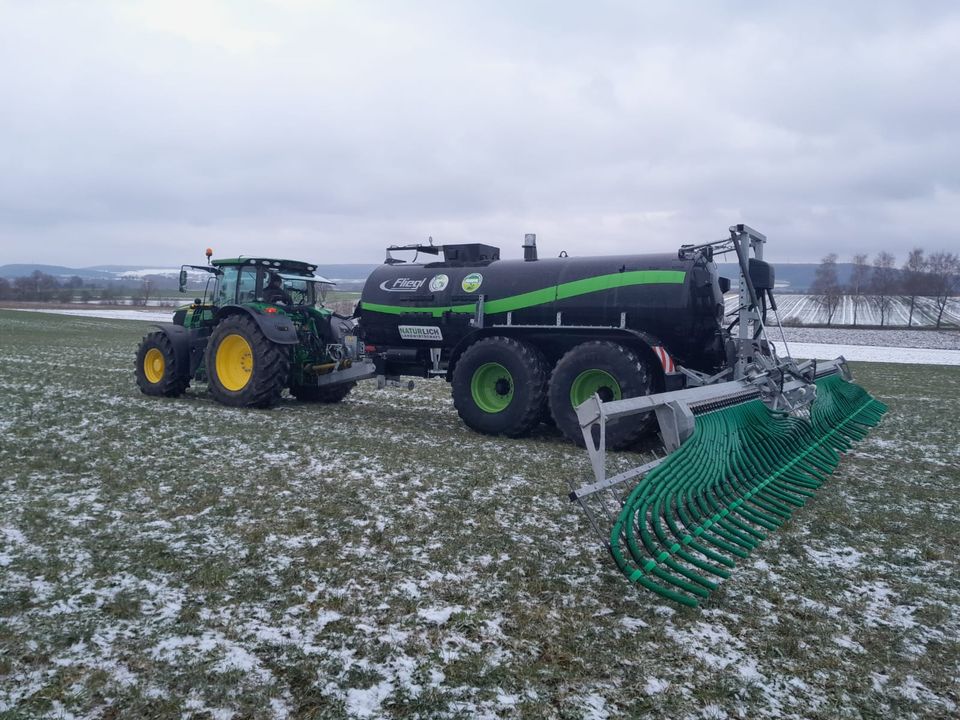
[{"x": 21, "y": 270}]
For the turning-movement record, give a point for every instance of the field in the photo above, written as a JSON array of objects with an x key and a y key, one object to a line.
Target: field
[
  {"x": 804, "y": 309},
  {"x": 171, "y": 558}
]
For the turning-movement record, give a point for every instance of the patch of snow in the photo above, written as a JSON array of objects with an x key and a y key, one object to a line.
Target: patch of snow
[
  {"x": 655, "y": 685},
  {"x": 632, "y": 623},
  {"x": 438, "y": 616},
  {"x": 845, "y": 641},
  {"x": 366, "y": 702},
  {"x": 594, "y": 707}
]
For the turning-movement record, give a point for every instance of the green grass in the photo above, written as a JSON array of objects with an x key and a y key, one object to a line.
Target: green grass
[{"x": 161, "y": 558}]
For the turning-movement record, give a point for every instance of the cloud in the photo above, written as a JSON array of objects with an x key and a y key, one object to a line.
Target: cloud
[{"x": 144, "y": 132}]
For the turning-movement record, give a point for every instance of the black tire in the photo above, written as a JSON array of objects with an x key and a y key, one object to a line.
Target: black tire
[
  {"x": 156, "y": 367},
  {"x": 325, "y": 394},
  {"x": 252, "y": 371},
  {"x": 511, "y": 383},
  {"x": 611, "y": 370}
]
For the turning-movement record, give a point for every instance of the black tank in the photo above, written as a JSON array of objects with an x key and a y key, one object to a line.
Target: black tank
[{"x": 432, "y": 305}]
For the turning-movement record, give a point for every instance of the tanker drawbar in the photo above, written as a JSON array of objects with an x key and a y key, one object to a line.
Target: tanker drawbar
[{"x": 611, "y": 349}]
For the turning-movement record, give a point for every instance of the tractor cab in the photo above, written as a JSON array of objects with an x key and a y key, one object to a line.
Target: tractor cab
[
  {"x": 266, "y": 285},
  {"x": 247, "y": 281}
]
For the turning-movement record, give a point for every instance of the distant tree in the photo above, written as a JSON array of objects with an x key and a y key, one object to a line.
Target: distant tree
[
  {"x": 913, "y": 279},
  {"x": 24, "y": 288},
  {"x": 65, "y": 295},
  {"x": 108, "y": 296},
  {"x": 6, "y": 289},
  {"x": 36, "y": 286},
  {"x": 859, "y": 282},
  {"x": 944, "y": 273},
  {"x": 85, "y": 296},
  {"x": 883, "y": 283},
  {"x": 75, "y": 282},
  {"x": 826, "y": 287}
]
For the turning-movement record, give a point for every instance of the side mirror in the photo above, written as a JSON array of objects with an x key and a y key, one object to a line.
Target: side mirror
[{"x": 183, "y": 280}]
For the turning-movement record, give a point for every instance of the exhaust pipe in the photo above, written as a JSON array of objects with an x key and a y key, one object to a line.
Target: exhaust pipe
[{"x": 530, "y": 246}]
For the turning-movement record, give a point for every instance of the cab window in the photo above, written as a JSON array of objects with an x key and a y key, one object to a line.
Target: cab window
[
  {"x": 247, "y": 284},
  {"x": 227, "y": 289}
]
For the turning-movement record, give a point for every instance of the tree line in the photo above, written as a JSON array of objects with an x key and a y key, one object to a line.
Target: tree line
[
  {"x": 41, "y": 287},
  {"x": 879, "y": 282}
]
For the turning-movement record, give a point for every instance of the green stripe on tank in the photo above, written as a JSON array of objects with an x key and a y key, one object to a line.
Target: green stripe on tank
[{"x": 544, "y": 295}]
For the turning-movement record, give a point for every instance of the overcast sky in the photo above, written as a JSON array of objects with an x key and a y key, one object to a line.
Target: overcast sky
[{"x": 142, "y": 132}]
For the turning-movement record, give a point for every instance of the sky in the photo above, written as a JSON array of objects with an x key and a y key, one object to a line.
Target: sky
[{"x": 143, "y": 132}]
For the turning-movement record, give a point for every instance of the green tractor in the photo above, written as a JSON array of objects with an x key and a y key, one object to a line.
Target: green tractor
[{"x": 260, "y": 328}]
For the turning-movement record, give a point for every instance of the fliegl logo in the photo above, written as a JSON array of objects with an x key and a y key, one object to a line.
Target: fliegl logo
[
  {"x": 472, "y": 282},
  {"x": 439, "y": 283},
  {"x": 402, "y": 285}
]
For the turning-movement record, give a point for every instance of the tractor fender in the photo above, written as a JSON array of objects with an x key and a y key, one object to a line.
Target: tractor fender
[
  {"x": 637, "y": 340},
  {"x": 179, "y": 337},
  {"x": 276, "y": 328}
]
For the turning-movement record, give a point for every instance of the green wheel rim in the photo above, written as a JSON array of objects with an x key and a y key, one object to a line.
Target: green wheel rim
[
  {"x": 492, "y": 387},
  {"x": 594, "y": 381}
]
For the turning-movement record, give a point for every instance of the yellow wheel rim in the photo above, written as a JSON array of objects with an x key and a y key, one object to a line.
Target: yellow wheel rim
[
  {"x": 154, "y": 365},
  {"x": 234, "y": 362}
]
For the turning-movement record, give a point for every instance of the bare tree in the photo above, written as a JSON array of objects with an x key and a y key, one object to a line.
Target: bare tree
[
  {"x": 826, "y": 288},
  {"x": 144, "y": 297},
  {"x": 944, "y": 276},
  {"x": 883, "y": 283},
  {"x": 859, "y": 282},
  {"x": 912, "y": 279}
]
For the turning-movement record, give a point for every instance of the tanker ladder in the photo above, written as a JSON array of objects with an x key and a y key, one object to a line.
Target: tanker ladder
[{"x": 737, "y": 456}]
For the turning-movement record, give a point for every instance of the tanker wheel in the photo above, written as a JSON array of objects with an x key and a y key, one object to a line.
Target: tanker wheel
[
  {"x": 325, "y": 394},
  {"x": 609, "y": 370},
  {"x": 156, "y": 367},
  {"x": 499, "y": 385},
  {"x": 244, "y": 368}
]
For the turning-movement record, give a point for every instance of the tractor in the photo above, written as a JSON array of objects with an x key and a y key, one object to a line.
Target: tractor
[{"x": 260, "y": 328}]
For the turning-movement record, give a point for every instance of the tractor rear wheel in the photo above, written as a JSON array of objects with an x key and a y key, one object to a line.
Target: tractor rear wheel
[
  {"x": 609, "y": 370},
  {"x": 156, "y": 367},
  {"x": 499, "y": 385},
  {"x": 324, "y": 394},
  {"x": 244, "y": 368}
]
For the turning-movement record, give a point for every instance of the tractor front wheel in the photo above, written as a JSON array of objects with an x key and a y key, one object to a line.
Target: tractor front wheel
[
  {"x": 499, "y": 386},
  {"x": 156, "y": 367},
  {"x": 244, "y": 368},
  {"x": 602, "y": 368}
]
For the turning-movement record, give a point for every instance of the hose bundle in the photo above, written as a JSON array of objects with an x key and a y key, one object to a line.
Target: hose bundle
[{"x": 740, "y": 475}]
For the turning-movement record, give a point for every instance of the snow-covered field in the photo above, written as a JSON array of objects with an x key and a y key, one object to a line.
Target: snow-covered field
[
  {"x": 109, "y": 313},
  {"x": 176, "y": 558},
  {"x": 804, "y": 308},
  {"x": 914, "y": 347}
]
